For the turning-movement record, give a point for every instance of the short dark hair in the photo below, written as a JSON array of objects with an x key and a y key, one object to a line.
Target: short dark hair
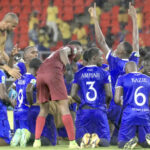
[
  {"x": 128, "y": 47},
  {"x": 74, "y": 42},
  {"x": 26, "y": 49},
  {"x": 35, "y": 63},
  {"x": 142, "y": 52},
  {"x": 92, "y": 52},
  {"x": 85, "y": 55}
]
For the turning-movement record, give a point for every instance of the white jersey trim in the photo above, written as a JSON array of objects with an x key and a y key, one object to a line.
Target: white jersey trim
[{"x": 108, "y": 54}]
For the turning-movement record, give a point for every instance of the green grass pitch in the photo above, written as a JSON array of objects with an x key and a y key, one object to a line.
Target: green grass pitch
[{"x": 62, "y": 147}]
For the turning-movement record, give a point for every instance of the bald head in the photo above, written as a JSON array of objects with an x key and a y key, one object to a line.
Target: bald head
[
  {"x": 11, "y": 21},
  {"x": 10, "y": 16},
  {"x": 130, "y": 67}
]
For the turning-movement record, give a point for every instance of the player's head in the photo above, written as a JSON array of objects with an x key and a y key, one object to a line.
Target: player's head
[
  {"x": 11, "y": 21},
  {"x": 78, "y": 45},
  {"x": 124, "y": 50},
  {"x": 85, "y": 58},
  {"x": 30, "y": 52},
  {"x": 146, "y": 65},
  {"x": 34, "y": 65},
  {"x": 130, "y": 67},
  {"x": 95, "y": 56}
]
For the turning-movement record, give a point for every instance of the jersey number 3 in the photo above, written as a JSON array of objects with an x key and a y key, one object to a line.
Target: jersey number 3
[{"x": 92, "y": 89}]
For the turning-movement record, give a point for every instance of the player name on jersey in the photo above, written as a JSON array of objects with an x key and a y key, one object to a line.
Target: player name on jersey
[
  {"x": 134, "y": 80},
  {"x": 140, "y": 109},
  {"x": 90, "y": 75},
  {"x": 21, "y": 82}
]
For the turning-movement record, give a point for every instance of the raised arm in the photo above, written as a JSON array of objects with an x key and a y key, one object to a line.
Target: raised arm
[
  {"x": 133, "y": 15},
  {"x": 99, "y": 35}
]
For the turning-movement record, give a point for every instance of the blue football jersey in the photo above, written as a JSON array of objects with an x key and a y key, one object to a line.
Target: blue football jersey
[
  {"x": 21, "y": 85},
  {"x": 134, "y": 57},
  {"x": 79, "y": 65},
  {"x": 117, "y": 65},
  {"x": 3, "y": 108},
  {"x": 22, "y": 67},
  {"x": 136, "y": 93},
  {"x": 91, "y": 80},
  {"x": 68, "y": 86},
  {"x": 104, "y": 66}
]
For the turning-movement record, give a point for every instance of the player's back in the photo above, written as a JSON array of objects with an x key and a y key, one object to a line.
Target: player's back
[
  {"x": 21, "y": 85},
  {"x": 136, "y": 93},
  {"x": 117, "y": 65},
  {"x": 91, "y": 80}
]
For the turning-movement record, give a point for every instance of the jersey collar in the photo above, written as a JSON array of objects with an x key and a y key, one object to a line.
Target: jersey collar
[{"x": 91, "y": 66}]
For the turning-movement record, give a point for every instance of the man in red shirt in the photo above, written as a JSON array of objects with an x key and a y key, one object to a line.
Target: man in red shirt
[{"x": 51, "y": 86}]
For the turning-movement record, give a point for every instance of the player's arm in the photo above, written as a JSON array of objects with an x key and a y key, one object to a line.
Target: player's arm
[
  {"x": 14, "y": 51},
  {"x": 4, "y": 96},
  {"x": 99, "y": 35},
  {"x": 74, "y": 93},
  {"x": 64, "y": 52},
  {"x": 108, "y": 90},
  {"x": 118, "y": 95},
  {"x": 29, "y": 93},
  {"x": 133, "y": 15},
  {"x": 14, "y": 72}
]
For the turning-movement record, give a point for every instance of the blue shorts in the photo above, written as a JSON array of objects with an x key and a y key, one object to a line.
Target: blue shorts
[
  {"x": 5, "y": 132},
  {"x": 21, "y": 120},
  {"x": 92, "y": 121},
  {"x": 49, "y": 130},
  {"x": 128, "y": 132}
]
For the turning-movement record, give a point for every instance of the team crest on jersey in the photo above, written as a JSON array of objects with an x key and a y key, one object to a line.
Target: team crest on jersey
[
  {"x": 33, "y": 81},
  {"x": 75, "y": 51},
  {"x": 3, "y": 79}
]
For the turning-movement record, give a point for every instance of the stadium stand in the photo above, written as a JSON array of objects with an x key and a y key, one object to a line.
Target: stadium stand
[{"x": 70, "y": 11}]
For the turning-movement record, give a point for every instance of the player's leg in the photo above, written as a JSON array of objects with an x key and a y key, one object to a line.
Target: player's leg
[
  {"x": 40, "y": 122},
  {"x": 3, "y": 142},
  {"x": 43, "y": 97},
  {"x": 143, "y": 135},
  {"x": 67, "y": 120},
  {"x": 82, "y": 123},
  {"x": 126, "y": 137},
  {"x": 49, "y": 131},
  {"x": 101, "y": 136},
  {"x": 17, "y": 135},
  {"x": 5, "y": 136},
  {"x": 114, "y": 137},
  {"x": 25, "y": 133},
  {"x": 114, "y": 115}
]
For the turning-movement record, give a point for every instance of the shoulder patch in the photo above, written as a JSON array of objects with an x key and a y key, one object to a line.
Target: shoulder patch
[
  {"x": 3, "y": 79},
  {"x": 33, "y": 81}
]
